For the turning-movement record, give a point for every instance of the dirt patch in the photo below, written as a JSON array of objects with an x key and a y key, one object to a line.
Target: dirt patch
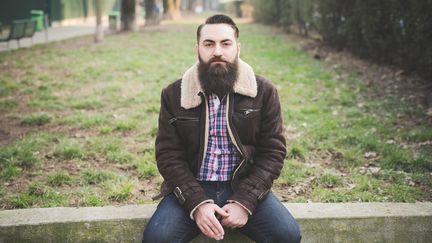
[{"x": 11, "y": 130}]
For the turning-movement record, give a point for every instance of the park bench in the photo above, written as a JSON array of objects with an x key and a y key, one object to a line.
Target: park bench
[{"x": 22, "y": 28}]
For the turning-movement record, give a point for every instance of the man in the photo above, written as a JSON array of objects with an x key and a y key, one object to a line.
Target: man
[{"x": 219, "y": 147}]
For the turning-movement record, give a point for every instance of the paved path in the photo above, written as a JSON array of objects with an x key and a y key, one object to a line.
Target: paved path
[{"x": 54, "y": 34}]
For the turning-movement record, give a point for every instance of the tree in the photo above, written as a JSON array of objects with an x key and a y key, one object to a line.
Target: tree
[
  {"x": 99, "y": 35},
  {"x": 190, "y": 5},
  {"x": 128, "y": 8},
  {"x": 150, "y": 15},
  {"x": 165, "y": 7},
  {"x": 172, "y": 9}
]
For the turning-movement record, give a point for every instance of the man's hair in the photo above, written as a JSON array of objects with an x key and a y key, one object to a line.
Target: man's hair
[{"x": 219, "y": 19}]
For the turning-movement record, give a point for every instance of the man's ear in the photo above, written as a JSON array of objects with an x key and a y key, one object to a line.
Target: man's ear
[
  {"x": 196, "y": 49},
  {"x": 238, "y": 49}
]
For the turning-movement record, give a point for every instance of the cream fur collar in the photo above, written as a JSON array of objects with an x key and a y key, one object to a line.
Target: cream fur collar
[{"x": 190, "y": 85}]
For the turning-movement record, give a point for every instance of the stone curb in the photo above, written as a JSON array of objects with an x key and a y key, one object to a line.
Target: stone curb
[{"x": 319, "y": 222}]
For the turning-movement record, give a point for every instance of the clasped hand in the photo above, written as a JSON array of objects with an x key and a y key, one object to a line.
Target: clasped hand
[{"x": 231, "y": 215}]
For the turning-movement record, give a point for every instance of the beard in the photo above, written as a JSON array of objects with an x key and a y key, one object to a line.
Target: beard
[{"x": 217, "y": 78}]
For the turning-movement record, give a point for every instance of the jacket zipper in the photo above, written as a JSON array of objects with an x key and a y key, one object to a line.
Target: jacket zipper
[
  {"x": 235, "y": 142},
  {"x": 206, "y": 127},
  {"x": 248, "y": 111},
  {"x": 182, "y": 118}
]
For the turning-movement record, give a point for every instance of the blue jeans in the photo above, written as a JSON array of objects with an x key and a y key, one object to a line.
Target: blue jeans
[{"x": 271, "y": 221}]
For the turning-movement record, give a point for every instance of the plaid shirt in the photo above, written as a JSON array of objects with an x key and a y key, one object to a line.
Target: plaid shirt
[{"x": 221, "y": 156}]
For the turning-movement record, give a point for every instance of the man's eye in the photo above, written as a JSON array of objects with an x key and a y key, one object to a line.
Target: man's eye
[
  {"x": 208, "y": 44},
  {"x": 227, "y": 44}
]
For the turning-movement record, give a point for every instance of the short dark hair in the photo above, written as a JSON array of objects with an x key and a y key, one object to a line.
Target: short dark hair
[{"x": 218, "y": 19}]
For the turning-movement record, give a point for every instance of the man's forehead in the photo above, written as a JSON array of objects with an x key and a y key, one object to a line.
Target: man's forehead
[{"x": 217, "y": 32}]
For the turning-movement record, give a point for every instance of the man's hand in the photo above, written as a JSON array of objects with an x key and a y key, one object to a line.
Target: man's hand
[
  {"x": 207, "y": 222},
  {"x": 237, "y": 218}
]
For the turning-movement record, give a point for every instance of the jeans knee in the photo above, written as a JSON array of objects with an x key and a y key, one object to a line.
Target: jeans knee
[
  {"x": 292, "y": 235},
  {"x": 151, "y": 236}
]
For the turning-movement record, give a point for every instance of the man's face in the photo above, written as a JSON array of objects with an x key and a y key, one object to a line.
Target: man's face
[
  {"x": 218, "y": 52},
  {"x": 218, "y": 45}
]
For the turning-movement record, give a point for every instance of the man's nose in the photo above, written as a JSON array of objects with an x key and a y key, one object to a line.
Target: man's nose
[{"x": 217, "y": 51}]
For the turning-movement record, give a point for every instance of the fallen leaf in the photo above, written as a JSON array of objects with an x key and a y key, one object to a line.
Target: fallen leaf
[
  {"x": 369, "y": 155},
  {"x": 374, "y": 170}
]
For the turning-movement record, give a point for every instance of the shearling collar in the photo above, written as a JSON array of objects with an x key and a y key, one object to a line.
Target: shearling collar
[{"x": 191, "y": 87}]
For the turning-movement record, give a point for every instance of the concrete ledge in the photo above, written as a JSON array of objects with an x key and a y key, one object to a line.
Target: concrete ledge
[{"x": 319, "y": 222}]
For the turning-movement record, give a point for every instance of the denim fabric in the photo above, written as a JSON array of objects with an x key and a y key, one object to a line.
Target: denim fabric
[{"x": 271, "y": 221}]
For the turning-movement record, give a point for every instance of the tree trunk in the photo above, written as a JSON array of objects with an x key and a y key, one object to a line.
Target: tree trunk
[
  {"x": 128, "y": 15},
  {"x": 205, "y": 4},
  {"x": 173, "y": 11},
  {"x": 165, "y": 7},
  {"x": 237, "y": 5},
  {"x": 191, "y": 5},
  {"x": 151, "y": 17},
  {"x": 99, "y": 35}
]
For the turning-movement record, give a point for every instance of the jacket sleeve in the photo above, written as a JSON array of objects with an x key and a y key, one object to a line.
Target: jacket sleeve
[
  {"x": 267, "y": 163},
  {"x": 171, "y": 161}
]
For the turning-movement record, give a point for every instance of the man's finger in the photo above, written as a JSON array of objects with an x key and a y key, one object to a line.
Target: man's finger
[
  {"x": 221, "y": 212},
  {"x": 206, "y": 230},
  {"x": 217, "y": 227},
  {"x": 226, "y": 222}
]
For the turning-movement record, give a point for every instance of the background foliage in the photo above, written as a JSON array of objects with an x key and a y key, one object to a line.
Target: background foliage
[{"x": 396, "y": 32}]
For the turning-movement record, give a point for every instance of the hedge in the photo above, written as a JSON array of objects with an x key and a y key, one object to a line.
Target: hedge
[{"x": 397, "y": 32}]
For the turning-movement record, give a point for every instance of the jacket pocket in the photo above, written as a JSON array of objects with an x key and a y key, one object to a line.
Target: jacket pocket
[
  {"x": 248, "y": 112},
  {"x": 184, "y": 120},
  {"x": 188, "y": 129},
  {"x": 247, "y": 122}
]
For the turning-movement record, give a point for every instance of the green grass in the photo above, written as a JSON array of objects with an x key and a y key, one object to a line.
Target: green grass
[
  {"x": 146, "y": 166},
  {"x": 37, "y": 195},
  {"x": 45, "y": 100},
  {"x": 85, "y": 103},
  {"x": 330, "y": 179},
  {"x": 94, "y": 109},
  {"x": 24, "y": 153},
  {"x": 85, "y": 121},
  {"x": 69, "y": 149},
  {"x": 59, "y": 178},
  {"x": 119, "y": 190},
  {"x": 7, "y": 85},
  {"x": 36, "y": 120},
  {"x": 8, "y": 104},
  {"x": 105, "y": 130},
  {"x": 419, "y": 134},
  {"x": 96, "y": 176},
  {"x": 111, "y": 149},
  {"x": 89, "y": 198},
  {"x": 9, "y": 172},
  {"x": 295, "y": 172},
  {"x": 125, "y": 125}
]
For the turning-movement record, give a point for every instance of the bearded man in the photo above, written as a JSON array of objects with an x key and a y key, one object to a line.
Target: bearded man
[{"x": 219, "y": 147}]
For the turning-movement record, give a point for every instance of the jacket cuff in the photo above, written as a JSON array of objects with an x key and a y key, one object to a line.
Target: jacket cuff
[
  {"x": 243, "y": 206},
  {"x": 195, "y": 208},
  {"x": 247, "y": 202},
  {"x": 190, "y": 197}
]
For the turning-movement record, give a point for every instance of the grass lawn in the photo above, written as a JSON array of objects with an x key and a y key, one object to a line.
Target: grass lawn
[{"x": 78, "y": 122}]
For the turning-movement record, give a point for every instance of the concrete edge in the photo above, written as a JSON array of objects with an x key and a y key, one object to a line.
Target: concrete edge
[
  {"x": 300, "y": 211},
  {"x": 319, "y": 222}
]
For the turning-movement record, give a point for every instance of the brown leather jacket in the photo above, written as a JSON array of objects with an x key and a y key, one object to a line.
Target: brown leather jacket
[{"x": 255, "y": 127}]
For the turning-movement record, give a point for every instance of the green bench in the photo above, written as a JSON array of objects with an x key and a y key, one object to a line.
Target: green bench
[{"x": 22, "y": 28}]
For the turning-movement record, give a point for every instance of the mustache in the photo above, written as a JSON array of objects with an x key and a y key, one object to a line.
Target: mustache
[{"x": 217, "y": 59}]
